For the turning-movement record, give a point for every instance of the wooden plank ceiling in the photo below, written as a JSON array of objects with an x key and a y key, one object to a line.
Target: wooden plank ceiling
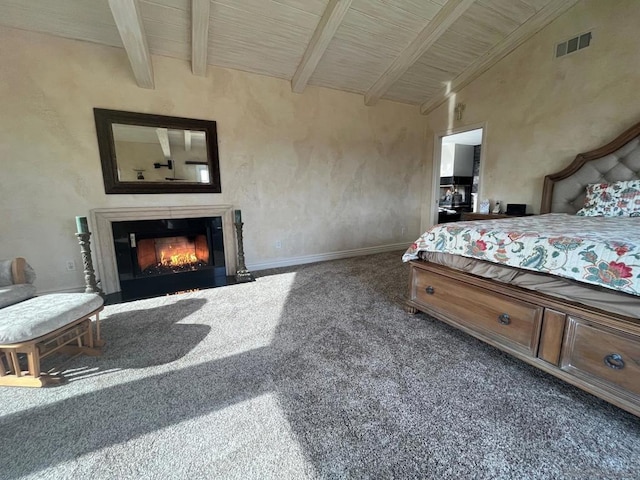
[{"x": 411, "y": 51}]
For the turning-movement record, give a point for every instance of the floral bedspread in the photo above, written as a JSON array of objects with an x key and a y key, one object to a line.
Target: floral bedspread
[{"x": 602, "y": 251}]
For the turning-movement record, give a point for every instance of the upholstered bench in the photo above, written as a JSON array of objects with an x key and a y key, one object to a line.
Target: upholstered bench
[
  {"x": 40, "y": 326},
  {"x": 16, "y": 281}
]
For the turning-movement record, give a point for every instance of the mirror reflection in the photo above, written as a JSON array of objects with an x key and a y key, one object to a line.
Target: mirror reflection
[{"x": 150, "y": 154}]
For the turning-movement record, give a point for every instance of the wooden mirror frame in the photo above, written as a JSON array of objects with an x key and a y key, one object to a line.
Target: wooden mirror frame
[{"x": 104, "y": 121}]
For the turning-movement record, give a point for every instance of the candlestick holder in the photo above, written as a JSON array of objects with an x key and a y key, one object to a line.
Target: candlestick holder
[
  {"x": 91, "y": 285},
  {"x": 242, "y": 274}
]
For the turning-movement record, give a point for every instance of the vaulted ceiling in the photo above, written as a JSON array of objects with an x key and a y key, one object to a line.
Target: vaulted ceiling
[{"x": 410, "y": 51}]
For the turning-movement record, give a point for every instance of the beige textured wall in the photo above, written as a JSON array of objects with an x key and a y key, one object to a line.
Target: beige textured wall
[
  {"x": 540, "y": 112},
  {"x": 319, "y": 172}
]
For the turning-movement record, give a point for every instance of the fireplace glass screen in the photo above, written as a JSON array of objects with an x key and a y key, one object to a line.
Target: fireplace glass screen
[
  {"x": 164, "y": 256},
  {"x": 157, "y": 256}
]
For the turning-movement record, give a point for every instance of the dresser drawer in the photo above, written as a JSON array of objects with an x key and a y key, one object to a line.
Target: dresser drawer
[
  {"x": 602, "y": 354},
  {"x": 506, "y": 319}
]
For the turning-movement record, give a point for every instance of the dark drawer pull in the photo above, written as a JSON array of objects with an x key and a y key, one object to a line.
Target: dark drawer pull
[
  {"x": 614, "y": 360},
  {"x": 430, "y": 290},
  {"x": 504, "y": 319}
]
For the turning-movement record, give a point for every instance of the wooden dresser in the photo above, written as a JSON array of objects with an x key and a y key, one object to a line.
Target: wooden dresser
[{"x": 596, "y": 351}]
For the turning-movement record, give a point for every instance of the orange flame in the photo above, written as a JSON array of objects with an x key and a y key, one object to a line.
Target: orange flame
[{"x": 180, "y": 258}]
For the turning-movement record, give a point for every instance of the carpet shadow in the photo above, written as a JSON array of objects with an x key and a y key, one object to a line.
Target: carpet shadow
[
  {"x": 154, "y": 336},
  {"x": 372, "y": 392},
  {"x": 143, "y": 338},
  {"x": 368, "y": 391},
  {"x": 116, "y": 414}
]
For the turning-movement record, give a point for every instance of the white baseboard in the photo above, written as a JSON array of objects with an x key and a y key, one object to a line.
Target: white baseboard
[
  {"x": 61, "y": 290},
  {"x": 322, "y": 257},
  {"x": 288, "y": 262}
]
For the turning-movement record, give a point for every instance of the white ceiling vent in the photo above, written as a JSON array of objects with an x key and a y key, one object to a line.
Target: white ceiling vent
[{"x": 573, "y": 44}]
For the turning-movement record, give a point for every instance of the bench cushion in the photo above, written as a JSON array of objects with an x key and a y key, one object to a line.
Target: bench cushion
[
  {"x": 38, "y": 316},
  {"x": 11, "y": 294}
]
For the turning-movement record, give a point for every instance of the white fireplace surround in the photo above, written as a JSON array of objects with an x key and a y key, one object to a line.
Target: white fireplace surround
[{"x": 105, "y": 255}]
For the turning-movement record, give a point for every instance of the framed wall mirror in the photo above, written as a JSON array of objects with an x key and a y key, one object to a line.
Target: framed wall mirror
[{"x": 145, "y": 153}]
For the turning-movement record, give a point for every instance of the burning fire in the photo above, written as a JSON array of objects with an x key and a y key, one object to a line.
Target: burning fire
[
  {"x": 166, "y": 255},
  {"x": 180, "y": 258}
]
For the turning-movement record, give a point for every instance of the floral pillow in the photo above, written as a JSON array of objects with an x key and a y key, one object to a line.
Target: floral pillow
[{"x": 619, "y": 199}]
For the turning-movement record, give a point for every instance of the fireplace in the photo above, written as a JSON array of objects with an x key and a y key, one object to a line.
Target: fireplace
[
  {"x": 161, "y": 256},
  {"x": 103, "y": 242}
]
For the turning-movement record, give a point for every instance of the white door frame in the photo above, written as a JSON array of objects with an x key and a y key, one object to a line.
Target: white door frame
[{"x": 437, "y": 150}]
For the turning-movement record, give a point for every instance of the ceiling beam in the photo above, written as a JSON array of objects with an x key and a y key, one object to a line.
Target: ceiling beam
[
  {"x": 326, "y": 29},
  {"x": 163, "y": 138},
  {"x": 126, "y": 14},
  {"x": 537, "y": 22},
  {"x": 448, "y": 14},
  {"x": 199, "y": 36}
]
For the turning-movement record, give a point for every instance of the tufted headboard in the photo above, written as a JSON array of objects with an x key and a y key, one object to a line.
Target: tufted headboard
[{"x": 618, "y": 160}]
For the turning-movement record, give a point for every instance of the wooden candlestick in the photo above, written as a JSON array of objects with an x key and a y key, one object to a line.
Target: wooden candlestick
[
  {"x": 91, "y": 285},
  {"x": 242, "y": 274}
]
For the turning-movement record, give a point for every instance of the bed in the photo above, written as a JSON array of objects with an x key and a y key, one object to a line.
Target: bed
[{"x": 559, "y": 290}]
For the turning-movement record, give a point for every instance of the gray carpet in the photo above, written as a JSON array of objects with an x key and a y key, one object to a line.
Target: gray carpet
[{"x": 313, "y": 372}]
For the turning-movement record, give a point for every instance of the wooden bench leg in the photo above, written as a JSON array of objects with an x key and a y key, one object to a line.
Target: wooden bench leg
[
  {"x": 89, "y": 347},
  {"x": 74, "y": 338},
  {"x": 15, "y": 365},
  {"x": 88, "y": 337},
  {"x": 3, "y": 367},
  {"x": 98, "y": 342},
  {"x": 12, "y": 375},
  {"x": 33, "y": 360}
]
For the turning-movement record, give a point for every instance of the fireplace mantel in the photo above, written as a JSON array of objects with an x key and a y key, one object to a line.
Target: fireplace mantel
[{"x": 105, "y": 255}]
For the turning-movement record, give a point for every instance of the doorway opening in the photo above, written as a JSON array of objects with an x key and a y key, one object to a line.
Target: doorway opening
[{"x": 457, "y": 173}]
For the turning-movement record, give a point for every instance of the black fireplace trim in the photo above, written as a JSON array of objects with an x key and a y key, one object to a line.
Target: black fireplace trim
[{"x": 135, "y": 285}]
